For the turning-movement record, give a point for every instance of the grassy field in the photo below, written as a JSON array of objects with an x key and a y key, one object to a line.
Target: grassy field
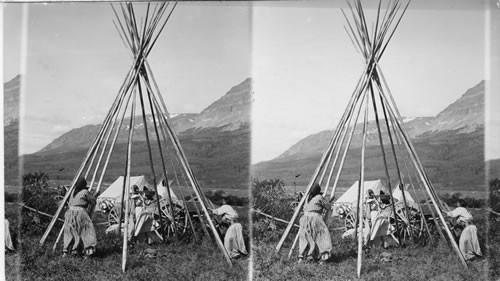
[
  {"x": 410, "y": 262},
  {"x": 171, "y": 261}
]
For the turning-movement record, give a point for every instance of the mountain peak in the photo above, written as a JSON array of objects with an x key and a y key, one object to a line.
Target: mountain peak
[
  {"x": 478, "y": 89},
  {"x": 232, "y": 109},
  {"x": 240, "y": 88},
  {"x": 465, "y": 114}
]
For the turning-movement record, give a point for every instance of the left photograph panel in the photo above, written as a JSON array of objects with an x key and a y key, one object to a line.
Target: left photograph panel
[{"x": 127, "y": 141}]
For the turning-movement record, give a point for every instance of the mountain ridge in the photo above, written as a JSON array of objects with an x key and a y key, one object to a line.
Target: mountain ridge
[
  {"x": 230, "y": 112},
  {"x": 467, "y": 111},
  {"x": 445, "y": 142}
]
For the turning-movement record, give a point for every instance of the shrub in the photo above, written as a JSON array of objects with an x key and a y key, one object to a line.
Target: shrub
[
  {"x": 494, "y": 200},
  {"x": 269, "y": 197},
  {"x": 217, "y": 196},
  {"x": 451, "y": 200},
  {"x": 37, "y": 179},
  {"x": 35, "y": 196}
]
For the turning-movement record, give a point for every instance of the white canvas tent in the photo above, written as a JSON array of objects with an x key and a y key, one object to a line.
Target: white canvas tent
[
  {"x": 114, "y": 191},
  {"x": 351, "y": 195}
]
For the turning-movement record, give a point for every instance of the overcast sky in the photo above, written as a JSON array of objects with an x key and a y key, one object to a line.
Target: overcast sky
[{"x": 303, "y": 64}]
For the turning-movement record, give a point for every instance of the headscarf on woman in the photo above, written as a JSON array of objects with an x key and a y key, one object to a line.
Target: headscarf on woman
[{"x": 315, "y": 190}]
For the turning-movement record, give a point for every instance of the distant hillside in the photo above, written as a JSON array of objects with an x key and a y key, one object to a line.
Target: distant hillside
[
  {"x": 230, "y": 112},
  {"x": 218, "y": 157},
  {"x": 464, "y": 115},
  {"x": 450, "y": 145}
]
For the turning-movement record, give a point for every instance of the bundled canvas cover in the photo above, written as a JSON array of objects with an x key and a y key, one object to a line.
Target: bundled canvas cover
[
  {"x": 163, "y": 192},
  {"x": 397, "y": 194},
  {"x": 114, "y": 191},
  {"x": 351, "y": 195}
]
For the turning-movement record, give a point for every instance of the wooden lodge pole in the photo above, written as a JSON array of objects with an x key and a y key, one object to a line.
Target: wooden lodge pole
[
  {"x": 385, "y": 161},
  {"x": 294, "y": 244},
  {"x": 345, "y": 129},
  {"x": 113, "y": 142},
  {"x": 339, "y": 171},
  {"x": 126, "y": 186},
  {"x": 155, "y": 116},
  {"x": 110, "y": 130},
  {"x": 151, "y": 162},
  {"x": 361, "y": 193}
]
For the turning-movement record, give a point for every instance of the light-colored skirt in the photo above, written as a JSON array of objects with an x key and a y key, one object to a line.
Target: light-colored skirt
[
  {"x": 468, "y": 243},
  {"x": 145, "y": 223},
  {"x": 8, "y": 240},
  {"x": 233, "y": 241},
  {"x": 313, "y": 236},
  {"x": 78, "y": 230},
  {"x": 381, "y": 227}
]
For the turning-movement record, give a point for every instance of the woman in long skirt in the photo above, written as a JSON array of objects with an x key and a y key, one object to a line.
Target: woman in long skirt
[
  {"x": 79, "y": 232},
  {"x": 468, "y": 241},
  {"x": 233, "y": 238},
  {"x": 314, "y": 238}
]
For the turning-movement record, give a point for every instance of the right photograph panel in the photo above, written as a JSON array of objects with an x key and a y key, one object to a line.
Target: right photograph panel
[{"x": 369, "y": 151}]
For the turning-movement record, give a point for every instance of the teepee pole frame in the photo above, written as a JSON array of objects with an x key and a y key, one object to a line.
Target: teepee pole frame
[
  {"x": 133, "y": 41},
  {"x": 372, "y": 48},
  {"x": 140, "y": 43}
]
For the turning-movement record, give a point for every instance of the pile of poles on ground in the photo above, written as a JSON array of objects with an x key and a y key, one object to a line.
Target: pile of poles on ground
[
  {"x": 139, "y": 87},
  {"x": 372, "y": 93}
]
